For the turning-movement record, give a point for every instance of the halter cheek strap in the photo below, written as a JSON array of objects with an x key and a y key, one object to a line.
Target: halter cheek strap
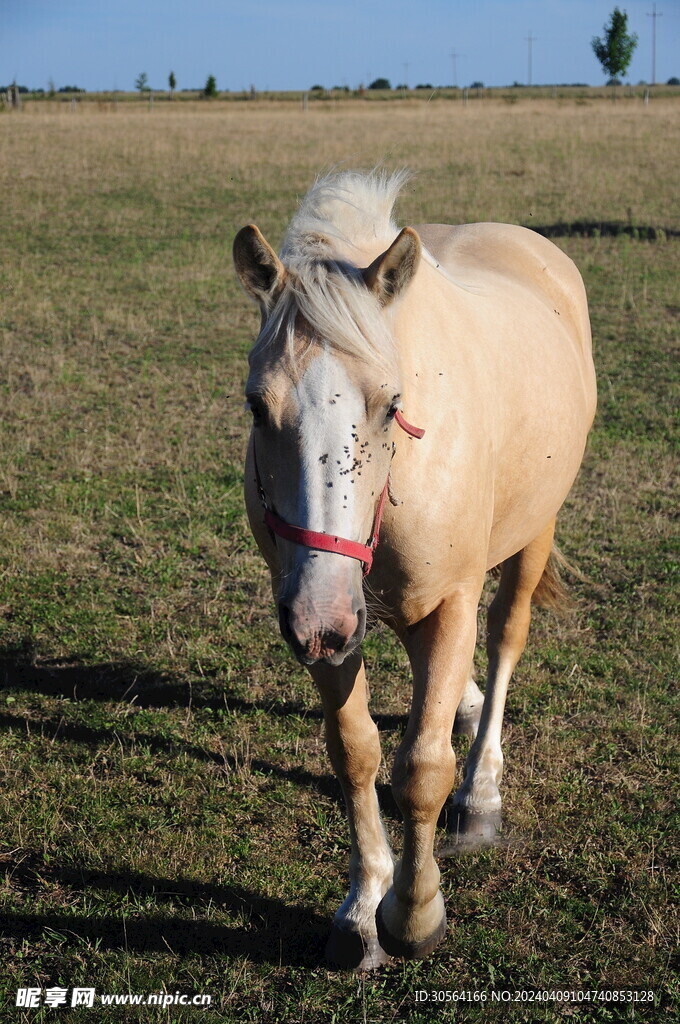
[{"x": 327, "y": 541}]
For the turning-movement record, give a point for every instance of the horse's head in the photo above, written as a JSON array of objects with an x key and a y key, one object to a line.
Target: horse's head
[{"x": 323, "y": 390}]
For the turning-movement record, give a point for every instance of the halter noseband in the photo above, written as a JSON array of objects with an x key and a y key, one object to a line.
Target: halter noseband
[{"x": 327, "y": 541}]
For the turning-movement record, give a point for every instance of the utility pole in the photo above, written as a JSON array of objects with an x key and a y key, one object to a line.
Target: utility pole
[
  {"x": 654, "y": 15},
  {"x": 530, "y": 39},
  {"x": 453, "y": 60}
]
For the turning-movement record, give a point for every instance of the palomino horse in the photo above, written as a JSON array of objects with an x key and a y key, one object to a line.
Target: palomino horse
[{"x": 480, "y": 334}]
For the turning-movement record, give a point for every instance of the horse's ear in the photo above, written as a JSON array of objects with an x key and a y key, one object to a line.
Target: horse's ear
[
  {"x": 389, "y": 274},
  {"x": 260, "y": 270}
]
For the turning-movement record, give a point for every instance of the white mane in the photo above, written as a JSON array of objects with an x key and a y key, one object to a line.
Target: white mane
[
  {"x": 341, "y": 214},
  {"x": 348, "y": 209}
]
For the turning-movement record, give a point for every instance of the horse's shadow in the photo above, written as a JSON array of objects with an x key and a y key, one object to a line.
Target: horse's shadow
[
  {"x": 275, "y": 932},
  {"x": 125, "y": 682},
  {"x": 603, "y": 229}
]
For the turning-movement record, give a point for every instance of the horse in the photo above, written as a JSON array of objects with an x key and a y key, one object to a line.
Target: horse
[{"x": 421, "y": 400}]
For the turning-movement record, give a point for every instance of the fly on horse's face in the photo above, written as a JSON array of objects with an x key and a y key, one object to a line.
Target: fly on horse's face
[{"x": 321, "y": 437}]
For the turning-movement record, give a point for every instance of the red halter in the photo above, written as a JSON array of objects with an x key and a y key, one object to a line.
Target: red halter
[{"x": 327, "y": 541}]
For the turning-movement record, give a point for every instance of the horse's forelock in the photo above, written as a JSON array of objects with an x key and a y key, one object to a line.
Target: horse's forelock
[
  {"x": 340, "y": 215},
  {"x": 332, "y": 307}
]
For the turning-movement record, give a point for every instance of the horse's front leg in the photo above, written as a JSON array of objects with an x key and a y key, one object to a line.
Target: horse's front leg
[
  {"x": 354, "y": 750},
  {"x": 411, "y": 917}
]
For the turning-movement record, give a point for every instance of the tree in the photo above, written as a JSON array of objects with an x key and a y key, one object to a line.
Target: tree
[
  {"x": 172, "y": 81},
  {"x": 615, "y": 49},
  {"x": 210, "y": 87},
  {"x": 142, "y": 82},
  {"x": 380, "y": 83}
]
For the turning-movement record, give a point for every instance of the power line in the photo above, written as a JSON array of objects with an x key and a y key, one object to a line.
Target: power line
[{"x": 654, "y": 15}]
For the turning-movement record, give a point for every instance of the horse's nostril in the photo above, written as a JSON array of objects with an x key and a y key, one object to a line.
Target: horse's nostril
[
  {"x": 284, "y": 621},
  {"x": 360, "y": 613}
]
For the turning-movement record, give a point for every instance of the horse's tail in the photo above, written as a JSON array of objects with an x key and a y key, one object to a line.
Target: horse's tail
[{"x": 552, "y": 591}]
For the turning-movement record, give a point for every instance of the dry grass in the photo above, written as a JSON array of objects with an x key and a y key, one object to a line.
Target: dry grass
[{"x": 163, "y": 758}]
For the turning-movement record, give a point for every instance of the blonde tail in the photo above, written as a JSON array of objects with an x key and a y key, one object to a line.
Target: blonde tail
[{"x": 552, "y": 591}]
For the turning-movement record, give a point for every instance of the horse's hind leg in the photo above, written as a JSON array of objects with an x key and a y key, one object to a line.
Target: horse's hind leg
[
  {"x": 354, "y": 750},
  {"x": 475, "y": 814}
]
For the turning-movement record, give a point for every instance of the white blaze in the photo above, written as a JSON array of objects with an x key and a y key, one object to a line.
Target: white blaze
[{"x": 331, "y": 410}]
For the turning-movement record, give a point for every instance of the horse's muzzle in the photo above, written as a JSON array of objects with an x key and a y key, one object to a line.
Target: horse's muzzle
[{"x": 312, "y": 640}]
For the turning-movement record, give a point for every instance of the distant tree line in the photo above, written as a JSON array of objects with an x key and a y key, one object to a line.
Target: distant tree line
[
  {"x": 384, "y": 85},
  {"x": 24, "y": 90},
  {"x": 210, "y": 88}
]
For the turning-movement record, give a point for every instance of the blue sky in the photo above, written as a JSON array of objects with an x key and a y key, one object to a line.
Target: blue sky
[{"x": 294, "y": 44}]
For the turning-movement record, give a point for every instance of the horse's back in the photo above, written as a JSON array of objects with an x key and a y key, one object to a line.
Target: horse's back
[{"x": 508, "y": 255}]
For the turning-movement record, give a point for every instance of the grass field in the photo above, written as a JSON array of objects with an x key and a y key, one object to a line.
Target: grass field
[{"x": 168, "y": 819}]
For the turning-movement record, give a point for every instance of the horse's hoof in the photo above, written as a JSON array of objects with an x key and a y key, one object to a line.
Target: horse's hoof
[
  {"x": 409, "y": 950},
  {"x": 471, "y": 830},
  {"x": 349, "y": 950}
]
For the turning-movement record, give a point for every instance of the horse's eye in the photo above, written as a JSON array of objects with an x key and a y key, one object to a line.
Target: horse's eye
[
  {"x": 256, "y": 408},
  {"x": 394, "y": 407}
]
